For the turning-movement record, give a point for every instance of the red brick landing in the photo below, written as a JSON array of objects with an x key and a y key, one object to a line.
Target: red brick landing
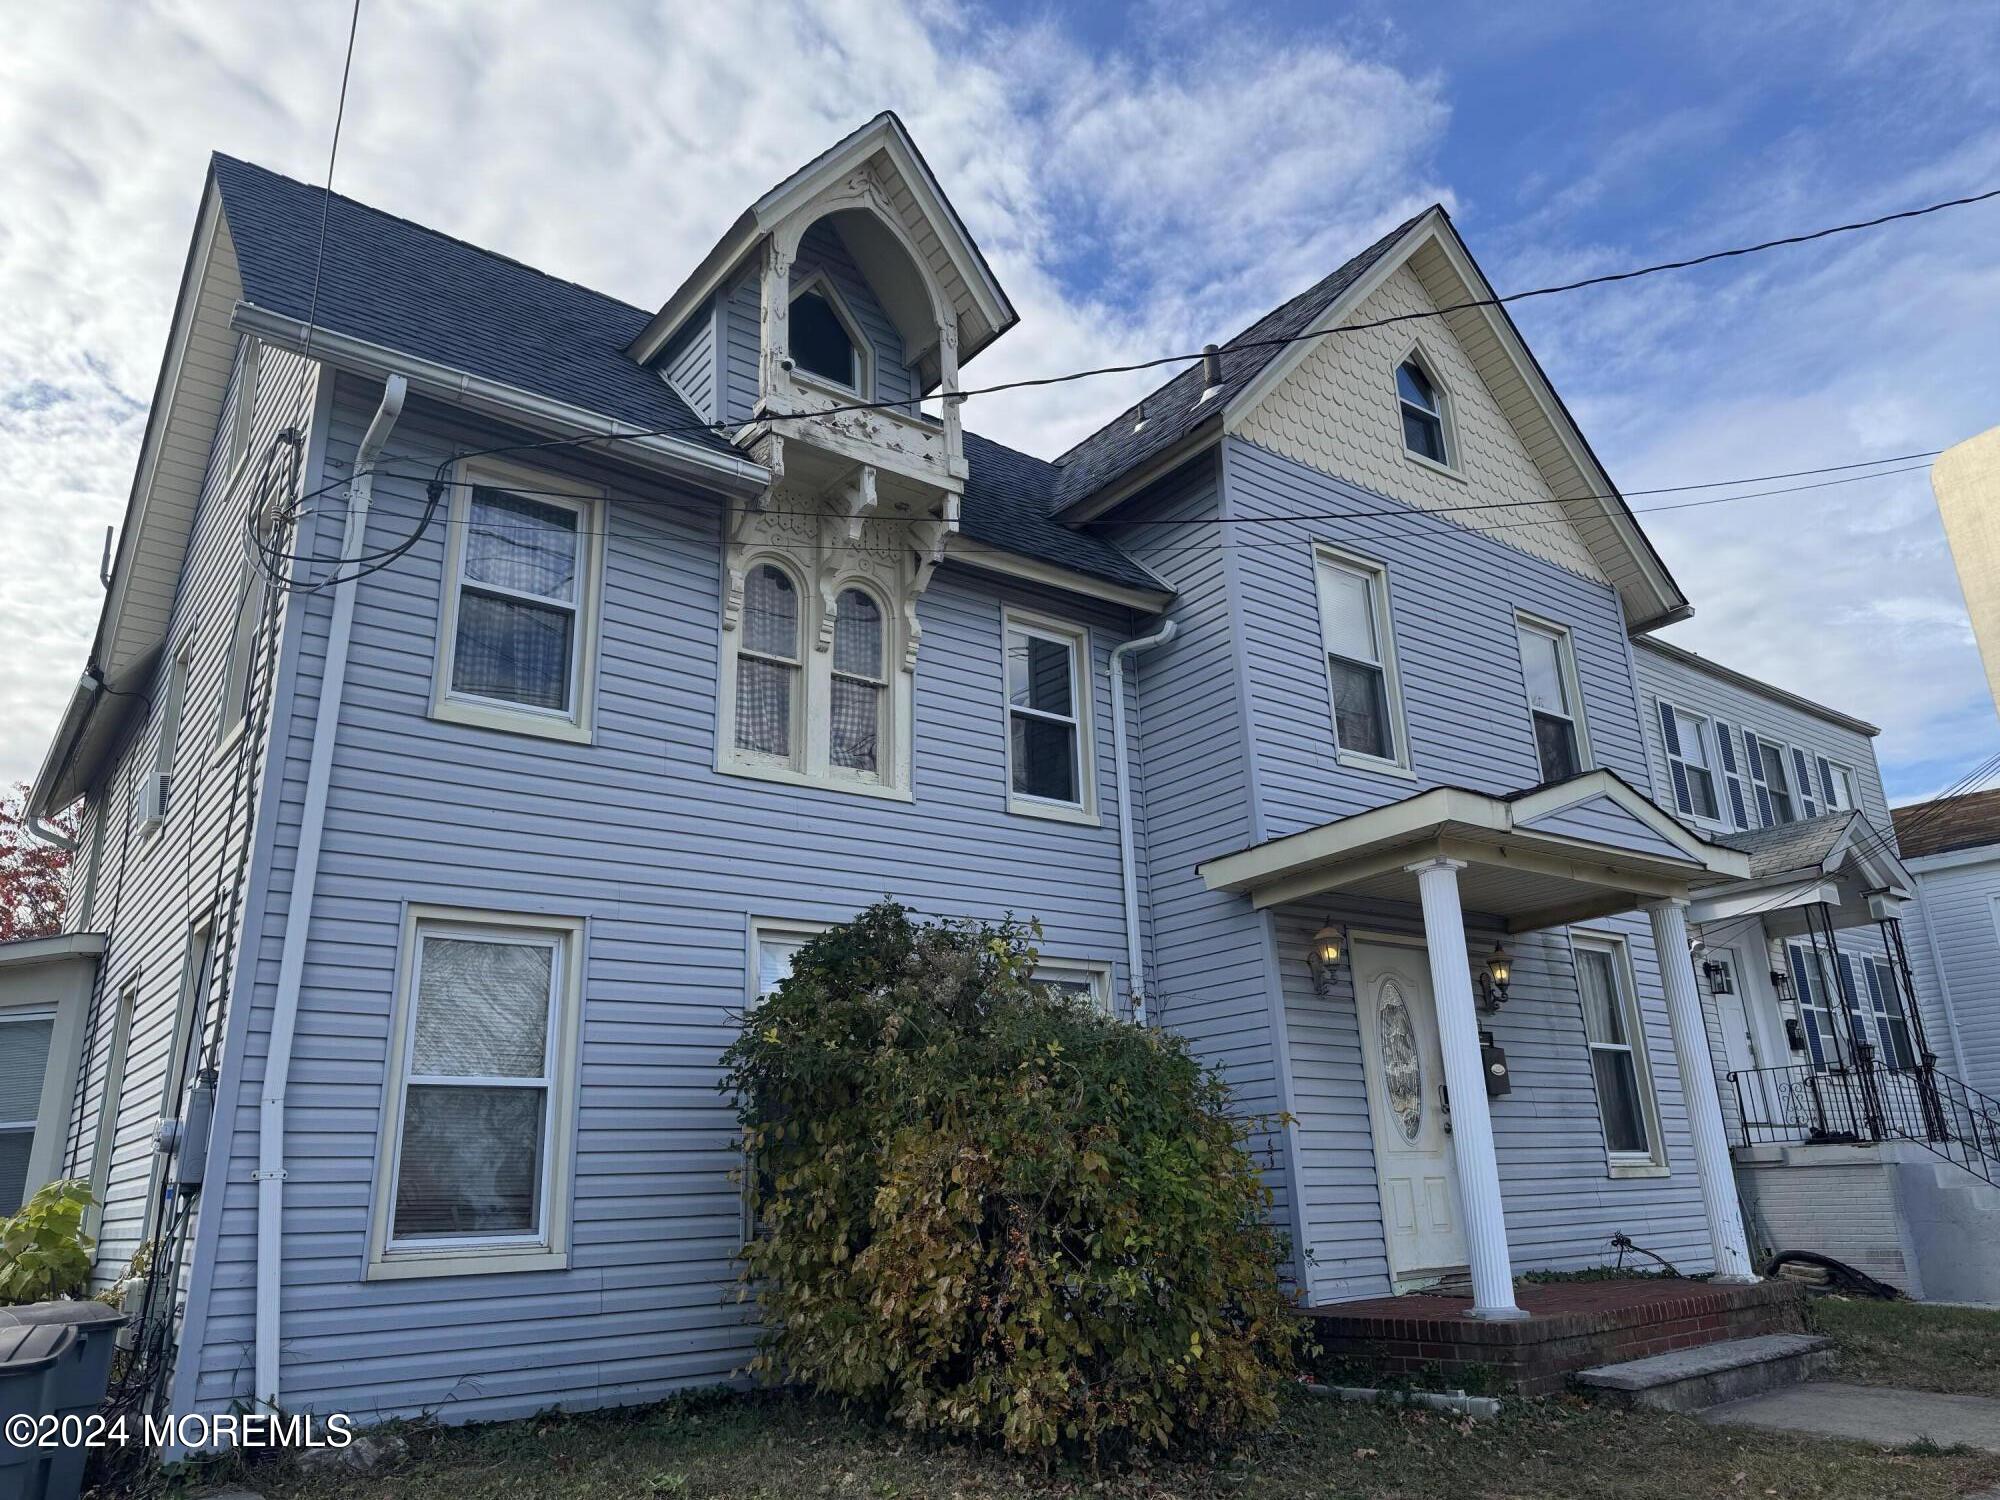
[{"x": 1571, "y": 1325}]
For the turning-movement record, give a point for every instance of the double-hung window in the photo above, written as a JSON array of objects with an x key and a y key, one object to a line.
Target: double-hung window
[
  {"x": 770, "y": 667},
  {"x": 476, "y": 1146},
  {"x": 1048, "y": 718},
  {"x": 252, "y": 594},
  {"x": 1892, "y": 1021},
  {"x": 1360, "y": 660},
  {"x": 1691, "y": 764},
  {"x": 1422, "y": 407},
  {"x": 1616, "y": 1039},
  {"x": 25, "y": 1036},
  {"x": 519, "y": 640},
  {"x": 860, "y": 692},
  {"x": 1777, "y": 781},
  {"x": 1840, "y": 787},
  {"x": 1548, "y": 665}
]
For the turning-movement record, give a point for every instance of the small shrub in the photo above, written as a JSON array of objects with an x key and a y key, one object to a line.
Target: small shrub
[
  {"x": 991, "y": 1211},
  {"x": 44, "y": 1253}
]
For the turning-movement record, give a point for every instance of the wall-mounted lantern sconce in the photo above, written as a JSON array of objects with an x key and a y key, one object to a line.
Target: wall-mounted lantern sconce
[
  {"x": 1327, "y": 953},
  {"x": 1781, "y": 984},
  {"x": 1495, "y": 977},
  {"x": 1717, "y": 974}
]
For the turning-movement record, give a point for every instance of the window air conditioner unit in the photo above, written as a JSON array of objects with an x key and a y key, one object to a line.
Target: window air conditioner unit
[{"x": 151, "y": 809}]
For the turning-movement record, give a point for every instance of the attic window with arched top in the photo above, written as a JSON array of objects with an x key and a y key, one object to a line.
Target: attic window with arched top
[
  {"x": 1422, "y": 404},
  {"x": 824, "y": 344}
]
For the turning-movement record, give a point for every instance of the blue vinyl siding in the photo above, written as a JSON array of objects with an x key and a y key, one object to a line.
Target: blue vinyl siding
[
  {"x": 691, "y": 363},
  {"x": 1604, "y": 821},
  {"x": 1453, "y": 595},
  {"x": 742, "y": 340},
  {"x": 668, "y": 861}
]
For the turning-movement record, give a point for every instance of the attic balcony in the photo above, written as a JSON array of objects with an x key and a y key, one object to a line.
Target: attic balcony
[{"x": 918, "y": 460}]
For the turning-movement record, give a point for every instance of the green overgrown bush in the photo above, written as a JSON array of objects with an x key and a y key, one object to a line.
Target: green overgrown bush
[
  {"x": 988, "y": 1210},
  {"x": 44, "y": 1253}
]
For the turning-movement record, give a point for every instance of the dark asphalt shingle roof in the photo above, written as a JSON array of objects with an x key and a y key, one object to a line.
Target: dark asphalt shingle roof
[
  {"x": 1947, "y": 823},
  {"x": 411, "y": 289},
  {"x": 1115, "y": 450},
  {"x": 1789, "y": 846}
]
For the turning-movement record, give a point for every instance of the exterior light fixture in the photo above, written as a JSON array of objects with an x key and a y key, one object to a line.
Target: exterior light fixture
[
  {"x": 1326, "y": 954},
  {"x": 1781, "y": 984},
  {"x": 1495, "y": 977},
  {"x": 1717, "y": 974}
]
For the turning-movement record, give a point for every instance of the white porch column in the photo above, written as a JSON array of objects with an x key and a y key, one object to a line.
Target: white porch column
[
  {"x": 1704, "y": 1106},
  {"x": 1465, "y": 1079}
]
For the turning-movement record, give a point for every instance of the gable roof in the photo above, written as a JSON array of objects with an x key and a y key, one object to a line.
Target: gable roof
[
  {"x": 912, "y": 192},
  {"x": 1115, "y": 464},
  {"x": 1823, "y": 845},
  {"x": 1944, "y": 824},
  {"x": 1006, "y": 504},
  {"x": 1173, "y": 411}
]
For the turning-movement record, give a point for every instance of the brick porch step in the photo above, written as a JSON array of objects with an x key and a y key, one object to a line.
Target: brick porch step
[{"x": 1690, "y": 1379}]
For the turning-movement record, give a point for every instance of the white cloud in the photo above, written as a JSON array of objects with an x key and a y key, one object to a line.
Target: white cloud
[{"x": 1132, "y": 200}]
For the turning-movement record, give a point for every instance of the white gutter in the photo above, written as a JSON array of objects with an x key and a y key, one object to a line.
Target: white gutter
[
  {"x": 75, "y": 713},
  {"x": 270, "y": 1172},
  {"x": 1127, "y": 865},
  {"x": 689, "y": 460}
]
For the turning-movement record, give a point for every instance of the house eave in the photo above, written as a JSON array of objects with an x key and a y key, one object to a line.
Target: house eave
[
  {"x": 1758, "y": 686},
  {"x": 986, "y": 557}
]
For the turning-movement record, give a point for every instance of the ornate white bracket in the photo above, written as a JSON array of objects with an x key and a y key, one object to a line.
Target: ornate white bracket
[
  {"x": 930, "y": 540},
  {"x": 857, "y": 500}
]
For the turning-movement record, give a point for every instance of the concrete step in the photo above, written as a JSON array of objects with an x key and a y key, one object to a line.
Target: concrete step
[{"x": 1690, "y": 1379}]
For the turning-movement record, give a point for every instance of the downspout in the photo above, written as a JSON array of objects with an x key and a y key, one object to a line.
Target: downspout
[
  {"x": 270, "y": 1172},
  {"x": 87, "y": 689},
  {"x": 1127, "y": 863}
]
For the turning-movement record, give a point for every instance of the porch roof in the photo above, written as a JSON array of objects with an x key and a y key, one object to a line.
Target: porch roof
[
  {"x": 1840, "y": 860},
  {"x": 1585, "y": 847}
]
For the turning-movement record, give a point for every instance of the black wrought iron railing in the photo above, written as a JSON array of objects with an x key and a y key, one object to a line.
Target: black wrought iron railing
[{"x": 1862, "y": 1102}]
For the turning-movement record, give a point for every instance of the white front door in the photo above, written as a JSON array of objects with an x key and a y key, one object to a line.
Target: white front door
[
  {"x": 1739, "y": 1042},
  {"x": 1406, "y": 1112}
]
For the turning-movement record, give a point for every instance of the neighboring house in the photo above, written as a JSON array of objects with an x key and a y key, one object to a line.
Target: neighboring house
[
  {"x": 1965, "y": 478},
  {"x": 1855, "y": 1131},
  {"x": 448, "y": 794},
  {"x": 1952, "y": 847}
]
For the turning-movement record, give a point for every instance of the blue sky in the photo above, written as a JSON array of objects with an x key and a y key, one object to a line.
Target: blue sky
[{"x": 1144, "y": 178}]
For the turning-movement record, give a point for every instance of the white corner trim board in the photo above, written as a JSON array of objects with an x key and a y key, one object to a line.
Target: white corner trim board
[
  {"x": 298, "y": 912},
  {"x": 1134, "y": 959}
]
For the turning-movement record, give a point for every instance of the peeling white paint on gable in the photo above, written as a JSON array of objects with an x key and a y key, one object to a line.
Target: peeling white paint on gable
[{"x": 1337, "y": 412}]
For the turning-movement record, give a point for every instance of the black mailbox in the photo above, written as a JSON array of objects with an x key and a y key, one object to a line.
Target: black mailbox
[{"x": 1493, "y": 1066}]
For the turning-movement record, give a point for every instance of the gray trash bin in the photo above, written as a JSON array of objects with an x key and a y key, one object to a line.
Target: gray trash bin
[{"x": 54, "y": 1360}]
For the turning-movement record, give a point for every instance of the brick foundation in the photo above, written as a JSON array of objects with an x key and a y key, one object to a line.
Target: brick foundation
[{"x": 1570, "y": 1326}]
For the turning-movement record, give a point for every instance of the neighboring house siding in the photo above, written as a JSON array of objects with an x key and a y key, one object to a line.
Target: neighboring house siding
[
  {"x": 1956, "y": 932},
  {"x": 150, "y": 891},
  {"x": 1687, "y": 686},
  {"x": 1453, "y": 597},
  {"x": 1338, "y": 412},
  {"x": 667, "y": 861}
]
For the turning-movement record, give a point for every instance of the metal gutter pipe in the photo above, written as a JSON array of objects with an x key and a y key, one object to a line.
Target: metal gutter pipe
[{"x": 1127, "y": 865}]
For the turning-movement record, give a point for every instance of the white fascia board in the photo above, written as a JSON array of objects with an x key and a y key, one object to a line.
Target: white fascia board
[
  {"x": 1762, "y": 898},
  {"x": 985, "y": 556},
  {"x": 1718, "y": 859},
  {"x": 672, "y": 455},
  {"x": 1953, "y": 859},
  {"x": 1411, "y": 818},
  {"x": 53, "y": 949}
]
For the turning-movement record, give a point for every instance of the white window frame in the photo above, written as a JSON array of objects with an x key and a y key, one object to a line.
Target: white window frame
[
  {"x": 1083, "y": 692},
  {"x": 576, "y": 722},
  {"x": 1418, "y": 355},
  {"x": 243, "y": 408},
  {"x": 1653, "y": 1161},
  {"x": 549, "y": 1248},
  {"x": 1397, "y": 762},
  {"x": 1093, "y": 974},
  {"x": 33, "y": 1126},
  {"x": 864, "y": 352},
  {"x": 1844, "y": 781},
  {"x": 1785, "y": 767},
  {"x": 1718, "y": 792},
  {"x": 885, "y": 686},
  {"x": 811, "y": 761},
  {"x": 1565, "y": 639},
  {"x": 238, "y": 666},
  {"x": 762, "y": 929}
]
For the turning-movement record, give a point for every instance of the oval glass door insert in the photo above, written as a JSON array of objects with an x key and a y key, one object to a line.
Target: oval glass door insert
[{"x": 1402, "y": 1067}]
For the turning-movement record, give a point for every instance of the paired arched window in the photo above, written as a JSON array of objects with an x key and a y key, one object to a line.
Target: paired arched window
[
  {"x": 771, "y": 688},
  {"x": 1423, "y": 411},
  {"x": 860, "y": 684},
  {"x": 769, "y": 665}
]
